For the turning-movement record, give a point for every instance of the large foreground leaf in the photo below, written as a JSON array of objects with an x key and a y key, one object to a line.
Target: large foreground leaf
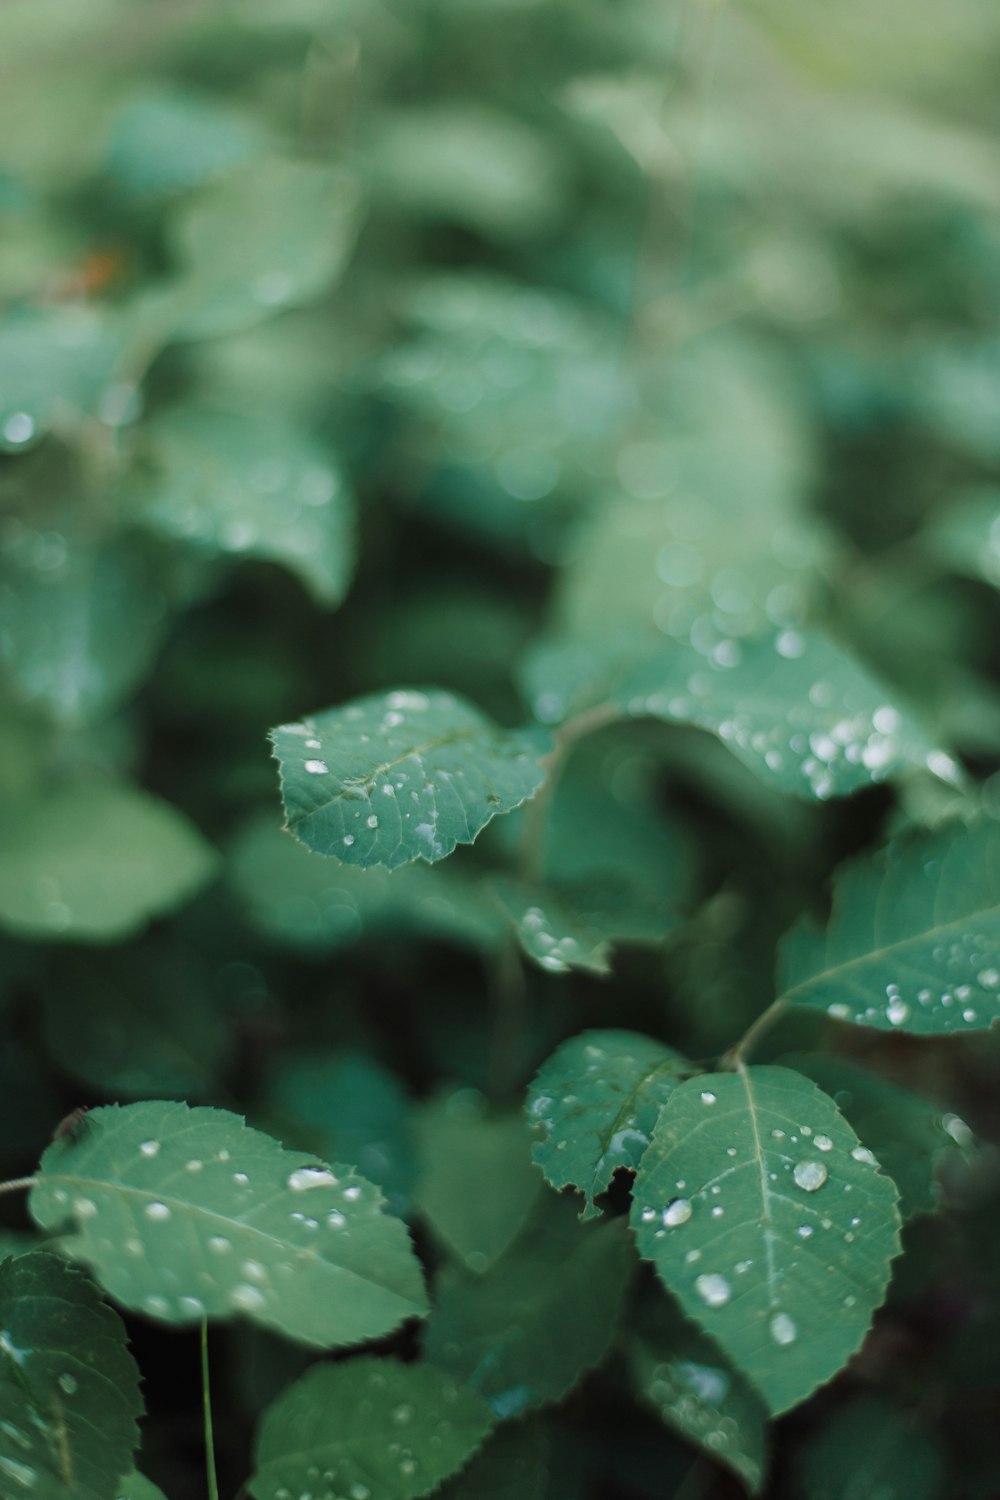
[
  {"x": 375, "y": 1430},
  {"x": 770, "y": 1222},
  {"x": 594, "y": 1105},
  {"x": 96, "y": 862},
  {"x": 913, "y": 943},
  {"x": 69, "y": 1388},
  {"x": 525, "y": 1332},
  {"x": 401, "y": 776},
  {"x": 186, "y": 1213}
]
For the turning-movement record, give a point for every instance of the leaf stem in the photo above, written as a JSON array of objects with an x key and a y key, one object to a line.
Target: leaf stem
[
  {"x": 733, "y": 1059},
  {"x": 206, "y": 1401},
  {"x": 537, "y": 810},
  {"x": 16, "y": 1184}
]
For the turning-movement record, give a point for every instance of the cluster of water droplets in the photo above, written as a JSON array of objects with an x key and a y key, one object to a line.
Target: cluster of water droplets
[{"x": 968, "y": 996}]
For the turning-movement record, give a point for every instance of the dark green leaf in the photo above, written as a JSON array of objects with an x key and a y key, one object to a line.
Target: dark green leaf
[
  {"x": 872, "y": 1447},
  {"x": 511, "y": 1465}
]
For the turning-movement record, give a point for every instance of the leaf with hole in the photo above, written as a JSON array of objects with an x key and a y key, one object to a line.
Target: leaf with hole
[
  {"x": 913, "y": 940},
  {"x": 401, "y": 776},
  {"x": 770, "y": 1222},
  {"x": 187, "y": 1213},
  {"x": 69, "y": 1388},
  {"x": 376, "y": 1430},
  {"x": 594, "y": 1104}
]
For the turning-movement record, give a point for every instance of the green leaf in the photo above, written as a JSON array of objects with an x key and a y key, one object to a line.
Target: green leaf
[
  {"x": 186, "y": 1213},
  {"x": 138, "y": 1487},
  {"x": 967, "y": 538},
  {"x": 552, "y": 930},
  {"x": 771, "y": 1224},
  {"x": 511, "y": 1465},
  {"x": 697, "y": 1393},
  {"x": 80, "y": 622},
  {"x": 272, "y": 235},
  {"x": 251, "y": 485},
  {"x": 69, "y": 1388},
  {"x": 55, "y": 365},
  {"x": 95, "y": 862},
  {"x": 801, "y": 713},
  {"x": 401, "y": 776},
  {"x": 460, "y": 1147},
  {"x": 301, "y": 901},
  {"x": 527, "y": 1331},
  {"x": 913, "y": 938},
  {"x": 594, "y": 1104},
  {"x": 375, "y": 1429},
  {"x": 166, "y": 141},
  {"x": 871, "y": 1446},
  {"x": 908, "y": 1134}
]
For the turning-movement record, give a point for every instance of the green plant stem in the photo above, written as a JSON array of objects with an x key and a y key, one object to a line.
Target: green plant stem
[
  {"x": 16, "y": 1184},
  {"x": 536, "y": 811},
  {"x": 206, "y": 1401},
  {"x": 733, "y": 1059}
]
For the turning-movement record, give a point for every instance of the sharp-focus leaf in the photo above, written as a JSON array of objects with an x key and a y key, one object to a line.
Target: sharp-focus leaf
[
  {"x": 872, "y": 1447},
  {"x": 907, "y": 1133},
  {"x": 594, "y": 1105},
  {"x": 69, "y": 1388},
  {"x": 186, "y": 1213},
  {"x": 460, "y": 1147},
  {"x": 167, "y": 141},
  {"x": 401, "y": 776},
  {"x": 350, "y": 1108},
  {"x": 79, "y": 623},
  {"x": 54, "y": 365},
  {"x": 697, "y": 1393},
  {"x": 96, "y": 862},
  {"x": 268, "y": 236},
  {"x": 314, "y": 906},
  {"x": 388, "y": 1430},
  {"x": 771, "y": 1224},
  {"x": 251, "y": 486},
  {"x": 913, "y": 943},
  {"x": 796, "y": 709},
  {"x": 524, "y": 1333},
  {"x": 511, "y": 1465}
]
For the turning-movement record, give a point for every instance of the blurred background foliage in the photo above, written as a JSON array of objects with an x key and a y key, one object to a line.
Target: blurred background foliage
[{"x": 350, "y": 345}]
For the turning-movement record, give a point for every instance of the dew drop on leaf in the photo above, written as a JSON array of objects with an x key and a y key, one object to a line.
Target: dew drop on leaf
[
  {"x": 713, "y": 1290},
  {"x": 809, "y": 1175}
]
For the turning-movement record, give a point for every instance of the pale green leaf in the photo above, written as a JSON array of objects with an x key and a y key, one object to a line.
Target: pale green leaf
[
  {"x": 697, "y": 1393},
  {"x": 795, "y": 708},
  {"x": 186, "y": 1213},
  {"x": 511, "y": 1465},
  {"x": 271, "y": 235},
  {"x": 872, "y": 1447},
  {"x": 460, "y": 1147},
  {"x": 401, "y": 776},
  {"x": 913, "y": 941},
  {"x": 250, "y": 485},
  {"x": 95, "y": 862},
  {"x": 372, "y": 1427},
  {"x": 527, "y": 1331},
  {"x": 69, "y": 1388},
  {"x": 168, "y": 141},
  {"x": 907, "y": 1133},
  {"x": 594, "y": 1104},
  {"x": 314, "y": 906},
  {"x": 80, "y": 621},
  {"x": 770, "y": 1223},
  {"x": 54, "y": 367}
]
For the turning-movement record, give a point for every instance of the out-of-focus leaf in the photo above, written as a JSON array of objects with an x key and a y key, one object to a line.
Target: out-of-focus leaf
[
  {"x": 401, "y": 776},
  {"x": 872, "y": 1446},
  {"x": 913, "y": 941},
  {"x": 96, "y": 862},
  {"x": 967, "y": 538},
  {"x": 165, "y": 141},
  {"x": 511, "y": 1465},
  {"x": 54, "y": 366}
]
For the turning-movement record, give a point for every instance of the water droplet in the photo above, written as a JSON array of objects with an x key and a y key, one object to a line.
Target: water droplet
[
  {"x": 84, "y": 1208},
  {"x": 713, "y": 1290},
  {"x": 241, "y": 1179},
  {"x": 402, "y": 1414},
  {"x": 305, "y": 1178},
  {"x": 158, "y": 1306},
  {"x": 19, "y": 427},
  {"x": 253, "y": 1270},
  {"x": 804, "y": 1231},
  {"x": 68, "y": 1384},
  {"x": 897, "y": 1011},
  {"x": 372, "y": 821},
  {"x": 348, "y": 840},
  {"x": 218, "y": 1244},
  {"x": 193, "y": 1306},
  {"x": 823, "y": 1143},
  {"x": 989, "y": 978},
  {"x": 335, "y": 1219},
  {"x": 708, "y": 1098},
  {"x": 247, "y": 1297},
  {"x": 157, "y": 1211},
  {"x": 783, "y": 1329},
  {"x": 809, "y": 1175},
  {"x": 677, "y": 1212},
  {"x": 194, "y": 1165},
  {"x": 352, "y": 1194},
  {"x": 150, "y": 1148},
  {"x": 648, "y": 1215},
  {"x": 316, "y": 767},
  {"x": 862, "y": 1153}
]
